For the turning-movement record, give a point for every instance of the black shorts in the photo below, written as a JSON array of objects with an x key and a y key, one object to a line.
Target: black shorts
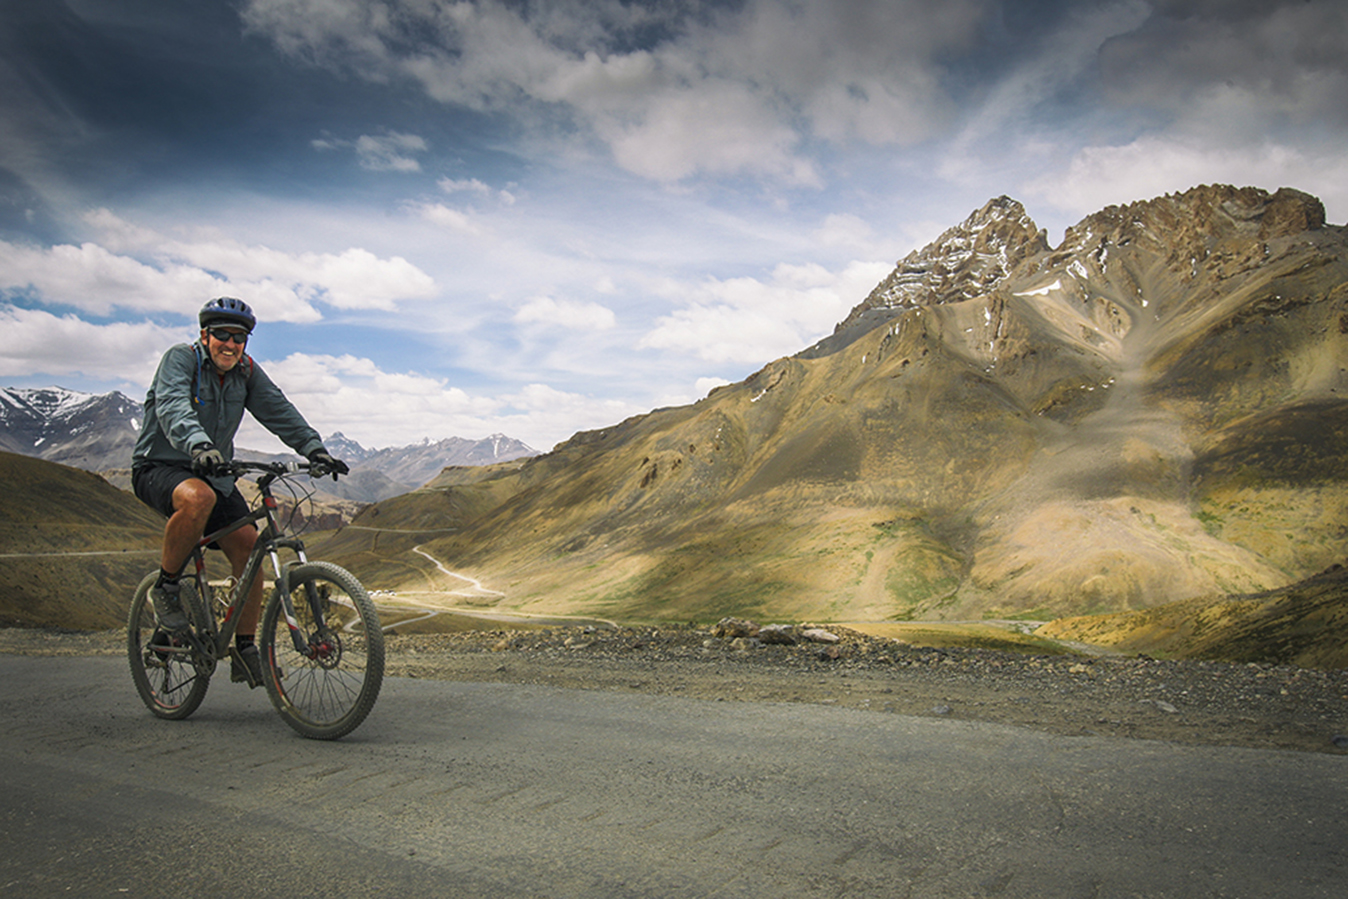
[{"x": 154, "y": 484}]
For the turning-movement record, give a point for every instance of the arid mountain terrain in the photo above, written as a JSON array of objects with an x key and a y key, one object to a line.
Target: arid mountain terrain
[
  {"x": 1154, "y": 410},
  {"x": 72, "y": 546}
]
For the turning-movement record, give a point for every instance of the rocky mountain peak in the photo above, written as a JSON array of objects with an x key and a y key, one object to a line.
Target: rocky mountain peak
[
  {"x": 344, "y": 448},
  {"x": 1192, "y": 223},
  {"x": 967, "y": 261},
  {"x": 67, "y": 426}
]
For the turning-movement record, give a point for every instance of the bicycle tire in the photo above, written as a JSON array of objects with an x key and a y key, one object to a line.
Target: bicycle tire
[
  {"x": 171, "y": 680},
  {"x": 326, "y": 692}
]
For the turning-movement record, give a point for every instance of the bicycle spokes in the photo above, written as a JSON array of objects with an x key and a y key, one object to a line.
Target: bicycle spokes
[
  {"x": 170, "y": 671},
  {"x": 323, "y": 633}
]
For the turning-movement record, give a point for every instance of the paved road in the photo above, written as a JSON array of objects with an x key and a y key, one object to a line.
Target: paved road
[{"x": 485, "y": 790}]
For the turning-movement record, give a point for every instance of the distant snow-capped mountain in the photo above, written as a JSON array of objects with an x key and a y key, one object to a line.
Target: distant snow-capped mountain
[
  {"x": 378, "y": 474},
  {"x": 418, "y": 463},
  {"x": 83, "y": 430},
  {"x": 97, "y": 432}
]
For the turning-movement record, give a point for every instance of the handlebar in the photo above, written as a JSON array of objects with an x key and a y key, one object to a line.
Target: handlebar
[{"x": 279, "y": 469}]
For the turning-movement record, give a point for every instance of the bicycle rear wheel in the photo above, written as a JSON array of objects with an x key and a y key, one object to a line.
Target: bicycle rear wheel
[
  {"x": 326, "y": 690},
  {"x": 169, "y": 675}
]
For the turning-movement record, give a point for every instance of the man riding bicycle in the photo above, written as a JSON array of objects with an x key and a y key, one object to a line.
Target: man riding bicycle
[{"x": 179, "y": 466}]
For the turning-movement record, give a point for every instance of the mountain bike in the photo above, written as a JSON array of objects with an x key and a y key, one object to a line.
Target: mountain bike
[{"x": 320, "y": 642}]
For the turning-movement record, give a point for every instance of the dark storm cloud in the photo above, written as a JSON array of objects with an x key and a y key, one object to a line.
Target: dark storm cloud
[
  {"x": 1267, "y": 61},
  {"x": 102, "y": 101}
]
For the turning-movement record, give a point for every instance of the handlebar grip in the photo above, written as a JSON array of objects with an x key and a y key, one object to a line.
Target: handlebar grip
[{"x": 319, "y": 470}]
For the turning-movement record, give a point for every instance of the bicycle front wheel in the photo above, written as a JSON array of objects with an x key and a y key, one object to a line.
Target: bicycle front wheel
[
  {"x": 325, "y": 689},
  {"x": 169, "y": 675}
]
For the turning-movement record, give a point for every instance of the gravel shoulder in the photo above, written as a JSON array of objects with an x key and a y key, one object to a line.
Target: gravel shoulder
[{"x": 1189, "y": 702}]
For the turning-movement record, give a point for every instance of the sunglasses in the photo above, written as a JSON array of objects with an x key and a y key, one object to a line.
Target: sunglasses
[{"x": 224, "y": 336}]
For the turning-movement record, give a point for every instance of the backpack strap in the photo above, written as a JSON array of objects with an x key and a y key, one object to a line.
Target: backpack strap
[{"x": 196, "y": 374}]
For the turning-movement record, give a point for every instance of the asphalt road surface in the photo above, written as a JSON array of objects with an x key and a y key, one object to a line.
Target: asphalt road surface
[{"x": 490, "y": 790}]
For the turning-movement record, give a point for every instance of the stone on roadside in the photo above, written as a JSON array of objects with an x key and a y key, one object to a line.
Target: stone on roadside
[
  {"x": 819, "y": 635},
  {"x": 730, "y": 628},
  {"x": 781, "y": 634}
]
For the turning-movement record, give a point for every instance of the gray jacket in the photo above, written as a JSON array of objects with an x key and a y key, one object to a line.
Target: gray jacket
[{"x": 191, "y": 403}]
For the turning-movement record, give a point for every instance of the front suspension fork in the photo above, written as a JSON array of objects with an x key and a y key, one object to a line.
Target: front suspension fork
[{"x": 302, "y": 642}]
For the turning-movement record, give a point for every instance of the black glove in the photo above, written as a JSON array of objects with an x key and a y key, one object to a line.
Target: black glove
[
  {"x": 321, "y": 456},
  {"x": 206, "y": 460}
]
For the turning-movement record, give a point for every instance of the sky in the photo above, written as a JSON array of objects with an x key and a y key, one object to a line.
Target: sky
[{"x": 456, "y": 218}]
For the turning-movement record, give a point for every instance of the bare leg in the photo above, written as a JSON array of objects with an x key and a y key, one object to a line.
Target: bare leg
[{"x": 193, "y": 501}]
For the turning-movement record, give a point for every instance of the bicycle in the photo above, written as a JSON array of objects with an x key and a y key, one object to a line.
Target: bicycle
[{"x": 320, "y": 641}]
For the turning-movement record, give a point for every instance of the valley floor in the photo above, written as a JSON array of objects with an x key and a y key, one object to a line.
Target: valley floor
[{"x": 1212, "y": 703}]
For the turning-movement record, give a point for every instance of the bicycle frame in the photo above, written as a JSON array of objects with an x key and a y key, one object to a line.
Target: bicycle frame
[{"x": 271, "y": 538}]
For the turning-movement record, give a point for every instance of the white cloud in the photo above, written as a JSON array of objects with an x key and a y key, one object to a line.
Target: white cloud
[
  {"x": 390, "y": 152},
  {"x": 1151, "y": 166},
  {"x": 722, "y": 128},
  {"x": 117, "y": 234},
  {"x": 62, "y": 346},
  {"x": 853, "y": 235},
  {"x": 443, "y": 216},
  {"x": 853, "y": 70},
  {"x": 352, "y": 279},
  {"x": 547, "y": 416},
  {"x": 280, "y": 286},
  {"x": 89, "y": 277},
  {"x": 378, "y": 408},
  {"x": 1172, "y": 95},
  {"x": 470, "y": 185},
  {"x": 752, "y": 321},
  {"x": 566, "y": 314}
]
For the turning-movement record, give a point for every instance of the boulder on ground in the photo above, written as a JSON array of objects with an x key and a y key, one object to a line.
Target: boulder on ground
[
  {"x": 730, "y": 628},
  {"x": 783, "y": 634}
]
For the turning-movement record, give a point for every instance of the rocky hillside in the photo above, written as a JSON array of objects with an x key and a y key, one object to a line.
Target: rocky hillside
[
  {"x": 1304, "y": 624},
  {"x": 1155, "y": 409},
  {"x": 72, "y": 547}
]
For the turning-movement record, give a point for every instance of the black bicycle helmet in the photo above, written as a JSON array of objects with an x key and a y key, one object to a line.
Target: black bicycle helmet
[{"x": 227, "y": 311}]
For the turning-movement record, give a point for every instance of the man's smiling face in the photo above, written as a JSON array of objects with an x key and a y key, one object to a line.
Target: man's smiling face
[{"x": 225, "y": 345}]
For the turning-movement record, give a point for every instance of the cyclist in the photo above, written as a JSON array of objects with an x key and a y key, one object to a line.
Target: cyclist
[{"x": 192, "y": 412}]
